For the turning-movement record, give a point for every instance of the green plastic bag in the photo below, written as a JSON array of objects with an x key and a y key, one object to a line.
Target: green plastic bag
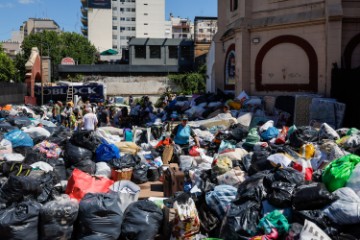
[
  {"x": 252, "y": 138},
  {"x": 275, "y": 219},
  {"x": 352, "y": 131},
  {"x": 338, "y": 172}
]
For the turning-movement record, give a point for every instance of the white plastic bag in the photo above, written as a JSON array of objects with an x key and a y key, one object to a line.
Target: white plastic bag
[
  {"x": 103, "y": 169},
  {"x": 186, "y": 162},
  {"x": 354, "y": 180}
]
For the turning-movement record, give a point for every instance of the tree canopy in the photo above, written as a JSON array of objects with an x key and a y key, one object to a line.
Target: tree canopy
[
  {"x": 60, "y": 45},
  {"x": 7, "y": 67}
]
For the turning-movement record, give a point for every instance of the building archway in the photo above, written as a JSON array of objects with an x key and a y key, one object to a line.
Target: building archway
[
  {"x": 349, "y": 51},
  {"x": 33, "y": 74},
  {"x": 230, "y": 68},
  {"x": 311, "y": 86}
]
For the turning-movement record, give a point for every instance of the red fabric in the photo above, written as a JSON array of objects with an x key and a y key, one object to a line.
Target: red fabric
[
  {"x": 308, "y": 171},
  {"x": 194, "y": 151},
  {"x": 281, "y": 138},
  {"x": 81, "y": 183}
]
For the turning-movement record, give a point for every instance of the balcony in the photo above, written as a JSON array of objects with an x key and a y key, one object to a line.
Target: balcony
[
  {"x": 84, "y": 11},
  {"x": 84, "y": 31},
  {"x": 84, "y": 20}
]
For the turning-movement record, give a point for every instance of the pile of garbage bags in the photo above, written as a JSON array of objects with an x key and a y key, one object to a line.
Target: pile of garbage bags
[{"x": 254, "y": 176}]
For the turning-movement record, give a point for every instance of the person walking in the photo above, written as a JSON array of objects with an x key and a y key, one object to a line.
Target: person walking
[{"x": 90, "y": 120}]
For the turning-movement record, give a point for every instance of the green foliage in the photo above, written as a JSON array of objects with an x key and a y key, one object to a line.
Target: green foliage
[
  {"x": 60, "y": 45},
  {"x": 20, "y": 62},
  {"x": 76, "y": 78},
  {"x": 7, "y": 67},
  {"x": 193, "y": 82}
]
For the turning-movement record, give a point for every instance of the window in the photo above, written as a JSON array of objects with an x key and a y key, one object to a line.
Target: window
[
  {"x": 133, "y": 19},
  {"x": 145, "y": 34},
  {"x": 133, "y": 9},
  {"x": 145, "y": 14},
  {"x": 114, "y": 8},
  {"x": 128, "y": 9},
  {"x": 173, "y": 52},
  {"x": 145, "y": 4},
  {"x": 122, "y": 19},
  {"x": 123, "y": 37},
  {"x": 114, "y": 37},
  {"x": 230, "y": 68},
  {"x": 133, "y": 28},
  {"x": 155, "y": 52},
  {"x": 146, "y": 24},
  {"x": 186, "y": 53},
  {"x": 233, "y": 5},
  {"x": 114, "y": 47},
  {"x": 121, "y": 9},
  {"x": 140, "y": 51},
  {"x": 122, "y": 28},
  {"x": 114, "y": 27}
]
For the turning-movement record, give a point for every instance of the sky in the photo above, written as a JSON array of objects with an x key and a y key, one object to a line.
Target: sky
[{"x": 67, "y": 12}]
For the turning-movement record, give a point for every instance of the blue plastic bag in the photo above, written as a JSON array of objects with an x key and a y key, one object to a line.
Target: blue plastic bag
[
  {"x": 271, "y": 132},
  {"x": 19, "y": 139},
  {"x": 106, "y": 152}
]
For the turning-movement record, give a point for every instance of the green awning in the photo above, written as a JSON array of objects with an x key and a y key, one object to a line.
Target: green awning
[{"x": 109, "y": 52}]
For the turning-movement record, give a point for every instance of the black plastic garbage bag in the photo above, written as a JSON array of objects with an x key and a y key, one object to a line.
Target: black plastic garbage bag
[
  {"x": 86, "y": 139},
  {"x": 259, "y": 162},
  {"x": 59, "y": 168},
  {"x": 139, "y": 174},
  {"x": 281, "y": 194},
  {"x": 33, "y": 156},
  {"x": 99, "y": 217},
  {"x": 17, "y": 188},
  {"x": 317, "y": 217},
  {"x": 20, "y": 221},
  {"x": 142, "y": 220},
  {"x": 19, "y": 122},
  {"x": 288, "y": 175},
  {"x": 47, "y": 182},
  {"x": 303, "y": 135},
  {"x": 253, "y": 188},
  {"x": 241, "y": 220},
  {"x": 57, "y": 218},
  {"x": 312, "y": 196},
  {"x": 238, "y": 132},
  {"x": 80, "y": 158},
  {"x": 209, "y": 223},
  {"x": 6, "y": 127},
  {"x": 59, "y": 136},
  {"x": 126, "y": 161}
]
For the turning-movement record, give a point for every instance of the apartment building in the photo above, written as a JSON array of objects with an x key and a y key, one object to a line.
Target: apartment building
[
  {"x": 182, "y": 28},
  {"x": 205, "y": 29},
  {"x": 110, "y": 24},
  {"x": 33, "y": 25}
]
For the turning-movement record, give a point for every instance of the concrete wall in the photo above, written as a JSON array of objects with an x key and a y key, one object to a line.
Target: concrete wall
[
  {"x": 12, "y": 93},
  {"x": 136, "y": 85}
]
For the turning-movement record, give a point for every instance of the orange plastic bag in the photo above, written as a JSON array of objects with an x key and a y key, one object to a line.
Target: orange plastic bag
[{"x": 81, "y": 183}]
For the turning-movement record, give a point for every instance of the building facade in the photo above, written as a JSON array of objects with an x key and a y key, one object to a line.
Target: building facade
[
  {"x": 205, "y": 29},
  {"x": 182, "y": 28},
  {"x": 33, "y": 25},
  {"x": 110, "y": 24},
  {"x": 284, "y": 46}
]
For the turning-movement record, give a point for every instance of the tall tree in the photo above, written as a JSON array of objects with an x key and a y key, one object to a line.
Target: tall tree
[
  {"x": 60, "y": 45},
  {"x": 7, "y": 67}
]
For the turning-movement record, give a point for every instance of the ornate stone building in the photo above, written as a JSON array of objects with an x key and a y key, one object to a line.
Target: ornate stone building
[{"x": 284, "y": 46}]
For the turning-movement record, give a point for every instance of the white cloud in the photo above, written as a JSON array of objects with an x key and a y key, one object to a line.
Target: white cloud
[
  {"x": 6, "y": 5},
  {"x": 26, "y": 1}
]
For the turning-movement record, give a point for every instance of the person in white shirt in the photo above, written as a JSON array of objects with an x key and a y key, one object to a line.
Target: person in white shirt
[{"x": 90, "y": 120}]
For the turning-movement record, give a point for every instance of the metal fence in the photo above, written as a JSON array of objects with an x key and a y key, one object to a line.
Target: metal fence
[{"x": 12, "y": 93}]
